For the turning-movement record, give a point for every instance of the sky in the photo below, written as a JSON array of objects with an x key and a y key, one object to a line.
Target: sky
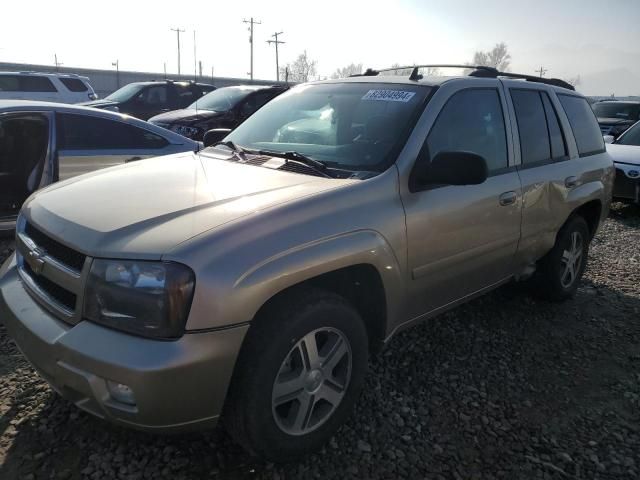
[{"x": 599, "y": 41}]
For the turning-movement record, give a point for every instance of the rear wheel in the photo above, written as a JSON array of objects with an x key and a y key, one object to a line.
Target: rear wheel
[
  {"x": 560, "y": 271},
  {"x": 299, "y": 373}
]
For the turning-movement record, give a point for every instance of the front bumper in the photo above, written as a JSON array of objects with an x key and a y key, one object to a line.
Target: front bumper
[
  {"x": 178, "y": 385},
  {"x": 627, "y": 183}
]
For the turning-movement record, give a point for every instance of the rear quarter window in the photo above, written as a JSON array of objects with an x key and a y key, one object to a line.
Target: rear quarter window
[
  {"x": 583, "y": 125},
  {"x": 74, "y": 84}
]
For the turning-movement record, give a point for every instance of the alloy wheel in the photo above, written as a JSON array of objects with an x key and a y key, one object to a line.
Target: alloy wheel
[
  {"x": 312, "y": 381},
  {"x": 571, "y": 260}
]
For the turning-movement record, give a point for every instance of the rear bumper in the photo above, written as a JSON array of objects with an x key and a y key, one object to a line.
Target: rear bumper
[{"x": 178, "y": 385}]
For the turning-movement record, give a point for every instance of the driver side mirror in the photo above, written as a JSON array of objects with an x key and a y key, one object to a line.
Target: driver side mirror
[
  {"x": 215, "y": 135},
  {"x": 453, "y": 168},
  {"x": 609, "y": 138}
]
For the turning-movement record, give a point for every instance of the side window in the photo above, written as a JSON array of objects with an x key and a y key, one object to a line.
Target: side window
[
  {"x": 583, "y": 125},
  {"x": 156, "y": 95},
  {"x": 9, "y": 83},
  {"x": 74, "y": 84},
  {"x": 532, "y": 126},
  {"x": 558, "y": 144},
  {"x": 186, "y": 94},
  {"x": 32, "y": 83},
  {"x": 80, "y": 132},
  {"x": 472, "y": 120}
]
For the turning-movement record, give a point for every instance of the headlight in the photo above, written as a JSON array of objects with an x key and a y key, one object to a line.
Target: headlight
[
  {"x": 145, "y": 298},
  {"x": 189, "y": 132}
]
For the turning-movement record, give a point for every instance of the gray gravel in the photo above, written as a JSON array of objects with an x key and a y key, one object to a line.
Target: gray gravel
[{"x": 504, "y": 387}]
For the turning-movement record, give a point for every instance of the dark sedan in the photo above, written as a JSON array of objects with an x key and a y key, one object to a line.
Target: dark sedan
[
  {"x": 226, "y": 107},
  {"x": 614, "y": 117},
  {"x": 145, "y": 99}
]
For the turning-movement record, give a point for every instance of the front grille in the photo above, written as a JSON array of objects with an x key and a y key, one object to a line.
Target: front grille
[
  {"x": 61, "y": 295},
  {"x": 56, "y": 250}
]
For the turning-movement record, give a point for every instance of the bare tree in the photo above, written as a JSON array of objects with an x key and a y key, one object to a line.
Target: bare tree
[
  {"x": 498, "y": 57},
  {"x": 301, "y": 70},
  {"x": 351, "y": 69},
  {"x": 573, "y": 81}
]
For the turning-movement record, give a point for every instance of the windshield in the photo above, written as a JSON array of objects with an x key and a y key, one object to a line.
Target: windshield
[
  {"x": 624, "y": 111},
  {"x": 631, "y": 136},
  {"x": 222, "y": 99},
  {"x": 352, "y": 126},
  {"x": 125, "y": 93}
]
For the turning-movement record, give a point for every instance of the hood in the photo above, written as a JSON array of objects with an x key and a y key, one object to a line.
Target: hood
[
  {"x": 99, "y": 104},
  {"x": 614, "y": 121},
  {"x": 143, "y": 209},
  {"x": 624, "y": 153},
  {"x": 185, "y": 116}
]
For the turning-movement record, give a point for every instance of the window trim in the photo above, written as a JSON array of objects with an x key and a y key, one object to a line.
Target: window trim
[
  {"x": 585, "y": 154},
  {"x": 415, "y": 187},
  {"x": 564, "y": 157}
]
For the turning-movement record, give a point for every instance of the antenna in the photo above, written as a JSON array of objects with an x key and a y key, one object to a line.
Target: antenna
[{"x": 276, "y": 42}]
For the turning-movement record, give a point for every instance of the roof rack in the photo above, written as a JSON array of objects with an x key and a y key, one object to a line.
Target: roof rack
[{"x": 476, "y": 71}]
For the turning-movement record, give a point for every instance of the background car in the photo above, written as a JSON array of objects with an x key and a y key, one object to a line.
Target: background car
[
  {"x": 48, "y": 87},
  {"x": 41, "y": 143},
  {"x": 625, "y": 151},
  {"x": 145, "y": 99},
  {"x": 226, "y": 107},
  {"x": 614, "y": 117}
]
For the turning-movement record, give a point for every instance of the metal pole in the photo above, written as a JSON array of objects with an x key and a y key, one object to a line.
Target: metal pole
[
  {"x": 117, "y": 65},
  {"x": 178, "y": 32},
  {"x": 276, "y": 42},
  {"x": 251, "y": 23},
  {"x": 195, "y": 61}
]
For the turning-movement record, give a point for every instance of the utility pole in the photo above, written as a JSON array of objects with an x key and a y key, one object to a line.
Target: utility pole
[
  {"x": 195, "y": 62},
  {"x": 251, "y": 22},
  {"x": 117, "y": 65},
  {"x": 178, "y": 32},
  {"x": 165, "y": 70},
  {"x": 58, "y": 64},
  {"x": 276, "y": 42},
  {"x": 541, "y": 71},
  {"x": 200, "y": 68}
]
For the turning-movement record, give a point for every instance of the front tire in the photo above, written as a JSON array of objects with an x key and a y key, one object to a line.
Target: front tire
[
  {"x": 299, "y": 373},
  {"x": 560, "y": 271}
]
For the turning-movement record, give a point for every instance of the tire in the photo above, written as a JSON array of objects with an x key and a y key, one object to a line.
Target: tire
[
  {"x": 553, "y": 280},
  {"x": 275, "y": 360}
]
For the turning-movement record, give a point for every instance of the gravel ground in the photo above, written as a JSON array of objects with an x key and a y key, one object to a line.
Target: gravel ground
[{"x": 504, "y": 387}]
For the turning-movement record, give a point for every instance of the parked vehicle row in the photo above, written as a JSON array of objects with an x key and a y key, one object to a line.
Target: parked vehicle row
[{"x": 250, "y": 281}]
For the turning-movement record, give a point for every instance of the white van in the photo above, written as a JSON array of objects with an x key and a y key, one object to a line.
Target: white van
[{"x": 47, "y": 87}]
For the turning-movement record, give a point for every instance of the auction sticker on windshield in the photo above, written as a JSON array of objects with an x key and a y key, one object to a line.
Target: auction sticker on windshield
[{"x": 388, "y": 95}]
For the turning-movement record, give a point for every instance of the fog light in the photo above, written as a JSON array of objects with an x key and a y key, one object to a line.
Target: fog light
[
  {"x": 633, "y": 173},
  {"x": 121, "y": 392}
]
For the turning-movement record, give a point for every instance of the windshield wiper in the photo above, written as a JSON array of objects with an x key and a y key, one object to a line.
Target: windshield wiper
[{"x": 297, "y": 157}]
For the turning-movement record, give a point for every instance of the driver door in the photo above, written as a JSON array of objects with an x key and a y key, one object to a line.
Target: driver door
[{"x": 462, "y": 239}]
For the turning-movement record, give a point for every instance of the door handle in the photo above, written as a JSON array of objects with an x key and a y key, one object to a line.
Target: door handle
[
  {"x": 570, "y": 182},
  {"x": 508, "y": 198},
  {"x": 132, "y": 159}
]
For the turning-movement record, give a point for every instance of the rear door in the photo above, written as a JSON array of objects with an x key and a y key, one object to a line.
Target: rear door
[
  {"x": 87, "y": 143},
  {"x": 549, "y": 165},
  {"x": 462, "y": 239}
]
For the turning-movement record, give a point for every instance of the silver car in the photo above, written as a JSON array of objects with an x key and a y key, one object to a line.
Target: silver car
[
  {"x": 41, "y": 143},
  {"x": 250, "y": 282}
]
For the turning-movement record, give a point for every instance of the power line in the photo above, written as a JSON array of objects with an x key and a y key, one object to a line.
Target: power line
[
  {"x": 276, "y": 42},
  {"x": 251, "y": 22},
  {"x": 541, "y": 71},
  {"x": 178, "y": 32}
]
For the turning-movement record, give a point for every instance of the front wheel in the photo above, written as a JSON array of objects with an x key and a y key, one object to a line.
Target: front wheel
[
  {"x": 560, "y": 271},
  {"x": 298, "y": 375}
]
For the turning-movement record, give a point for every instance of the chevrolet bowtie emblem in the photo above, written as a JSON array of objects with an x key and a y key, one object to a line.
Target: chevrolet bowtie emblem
[{"x": 35, "y": 259}]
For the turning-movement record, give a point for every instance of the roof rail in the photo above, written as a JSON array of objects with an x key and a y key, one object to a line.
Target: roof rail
[{"x": 476, "y": 71}]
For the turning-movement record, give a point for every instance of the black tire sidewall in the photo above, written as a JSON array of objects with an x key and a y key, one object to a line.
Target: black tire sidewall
[
  {"x": 552, "y": 269},
  {"x": 283, "y": 330}
]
